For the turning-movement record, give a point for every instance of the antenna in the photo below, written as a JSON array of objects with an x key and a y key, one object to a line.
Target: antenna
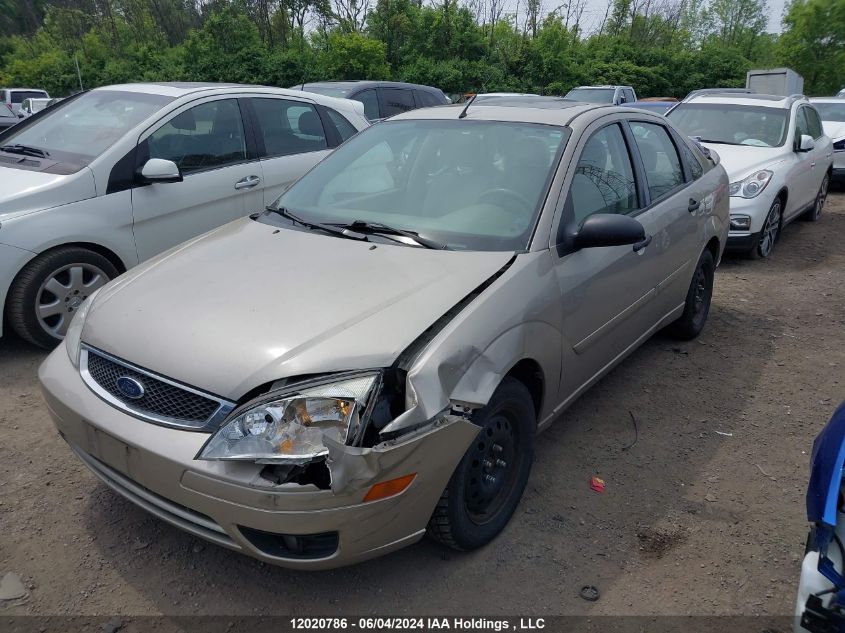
[{"x": 466, "y": 107}]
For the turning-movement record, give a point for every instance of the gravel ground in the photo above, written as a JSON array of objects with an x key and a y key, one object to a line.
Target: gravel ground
[{"x": 703, "y": 511}]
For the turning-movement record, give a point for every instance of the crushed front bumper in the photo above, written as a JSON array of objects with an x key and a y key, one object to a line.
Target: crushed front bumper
[{"x": 229, "y": 504}]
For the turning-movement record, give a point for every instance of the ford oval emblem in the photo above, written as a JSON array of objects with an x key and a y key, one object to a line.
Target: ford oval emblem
[{"x": 130, "y": 387}]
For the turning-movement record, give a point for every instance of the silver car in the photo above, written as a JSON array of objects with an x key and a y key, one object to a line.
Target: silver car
[{"x": 371, "y": 358}]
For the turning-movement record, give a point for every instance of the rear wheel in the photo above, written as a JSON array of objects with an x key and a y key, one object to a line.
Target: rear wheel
[
  {"x": 47, "y": 292},
  {"x": 487, "y": 484},
  {"x": 697, "y": 304},
  {"x": 769, "y": 234},
  {"x": 815, "y": 213}
]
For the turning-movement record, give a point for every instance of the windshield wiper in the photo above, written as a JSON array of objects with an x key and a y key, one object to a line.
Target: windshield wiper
[
  {"x": 378, "y": 227},
  {"x": 328, "y": 228},
  {"x": 26, "y": 150},
  {"x": 707, "y": 140}
]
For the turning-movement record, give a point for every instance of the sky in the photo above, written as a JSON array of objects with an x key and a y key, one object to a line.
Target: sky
[{"x": 595, "y": 11}]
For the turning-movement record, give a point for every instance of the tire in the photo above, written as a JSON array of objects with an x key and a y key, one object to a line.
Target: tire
[
  {"x": 41, "y": 315},
  {"x": 770, "y": 232},
  {"x": 815, "y": 213},
  {"x": 473, "y": 510},
  {"x": 697, "y": 304}
]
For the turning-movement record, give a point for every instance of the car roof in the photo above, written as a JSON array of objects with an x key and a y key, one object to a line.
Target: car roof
[
  {"x": 364, "y": 83},
  {"x": 172, "y": 88},
  {"x": 561, "y": 113},
  {"x": 742, "y": 98},
  {"x": 606, "y": 86}
]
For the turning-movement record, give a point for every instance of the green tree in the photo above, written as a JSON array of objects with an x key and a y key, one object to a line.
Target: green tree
[{"x": 813, "y": 43}]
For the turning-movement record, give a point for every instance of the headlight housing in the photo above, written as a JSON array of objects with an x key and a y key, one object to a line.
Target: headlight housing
[
  {"x": 287, "y": 426},
  {"x": 752, "y": 185},
  {"x": 73, "y": 336}
]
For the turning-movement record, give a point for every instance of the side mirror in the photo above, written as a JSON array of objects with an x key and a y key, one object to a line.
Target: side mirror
[
  {"x": 160, "y": 170},
  {"x": 806, "y": 143},
  {"x": 608, "y": 229}
]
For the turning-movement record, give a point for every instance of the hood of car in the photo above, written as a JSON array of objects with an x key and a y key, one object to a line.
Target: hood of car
[
  {"x": 24, "y": 190},
  {"x": 248, "y": 304},
  {"x": 742, "y": 160},
  {"x": 834, "y": 129}
]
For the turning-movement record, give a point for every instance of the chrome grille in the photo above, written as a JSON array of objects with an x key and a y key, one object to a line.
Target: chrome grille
[{"x": 163, "y": 401}]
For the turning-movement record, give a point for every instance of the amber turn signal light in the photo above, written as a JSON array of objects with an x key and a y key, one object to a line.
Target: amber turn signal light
[{"x": 389, "y": 488}]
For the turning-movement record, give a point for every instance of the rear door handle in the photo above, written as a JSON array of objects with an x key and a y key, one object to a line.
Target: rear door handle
[
  {"x": 247, "y": 183},
  {"x": 813, "y": 164},
  {"x": 642, "y": 244},
  {"x": 693, "y": 205}
]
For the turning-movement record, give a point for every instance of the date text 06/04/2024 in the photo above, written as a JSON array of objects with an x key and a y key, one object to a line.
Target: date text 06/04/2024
[{"x": 418, "y": 624}]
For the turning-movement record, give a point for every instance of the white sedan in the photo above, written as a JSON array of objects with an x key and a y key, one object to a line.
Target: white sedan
[{"x": 108, "y": 178}]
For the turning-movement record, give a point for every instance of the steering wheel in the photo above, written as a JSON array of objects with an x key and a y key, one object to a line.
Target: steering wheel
[{"x": 494, "y": 196}]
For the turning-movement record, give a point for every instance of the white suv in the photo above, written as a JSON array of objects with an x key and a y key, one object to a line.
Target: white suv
[
  {"x": 108, "y": 178},
  {"x": 775, "y": 152}
]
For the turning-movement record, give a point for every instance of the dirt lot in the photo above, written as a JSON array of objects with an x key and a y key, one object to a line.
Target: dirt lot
[{"x": 704, "y": 514}]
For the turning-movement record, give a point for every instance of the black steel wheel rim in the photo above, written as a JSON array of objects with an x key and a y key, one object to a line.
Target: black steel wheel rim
[
  {"x": 700, "y": 301},
  {"x": 494, "y": 464}
]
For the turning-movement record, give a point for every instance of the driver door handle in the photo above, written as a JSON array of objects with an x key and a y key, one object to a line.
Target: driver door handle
[
  {"x": 642, "y": 244},
  {"x": 248, "y": 182},
  {"x": 693, "y": 205}
]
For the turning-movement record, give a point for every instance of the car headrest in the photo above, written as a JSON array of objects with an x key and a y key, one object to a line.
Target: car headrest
[
  {"x": 184, "y": 121},
  {"x": 309, "y": 124}
]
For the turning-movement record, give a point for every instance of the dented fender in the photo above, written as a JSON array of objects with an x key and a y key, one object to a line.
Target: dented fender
[
  {"x": 432, "y": 451},
  {"x": 461, "y": 366}
]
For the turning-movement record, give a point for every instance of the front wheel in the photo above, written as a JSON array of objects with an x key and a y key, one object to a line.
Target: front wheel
[
  {"x": 47, "y": 292},
  {"x": 488, "y": 482},
  {"x": 697, "y": 304},
  {"x": 769, "y": 234}
]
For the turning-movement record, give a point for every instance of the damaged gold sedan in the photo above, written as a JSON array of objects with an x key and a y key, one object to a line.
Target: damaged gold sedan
[{"x": 370, "y": 358}]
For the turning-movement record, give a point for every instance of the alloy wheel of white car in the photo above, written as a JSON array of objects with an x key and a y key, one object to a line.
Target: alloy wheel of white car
[
  {"x": 769, "y": 233},
  {"x": 50, "y": 289}
]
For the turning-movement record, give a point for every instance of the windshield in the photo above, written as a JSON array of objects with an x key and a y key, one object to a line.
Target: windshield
[
  {"x": 831, "y": 111},
  {"x": 78, "y": 130},
  {"x": 731, "y": 124},
  {"x": 591, "y": 95},
  {"x": 473, "y": 185},
  {"x": 322, "y": 89}
]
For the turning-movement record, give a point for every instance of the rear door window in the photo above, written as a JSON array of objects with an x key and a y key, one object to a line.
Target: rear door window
[
  {"x": 207, "y": 136},
  {"x": 289, "y": 127},
  {"x": 396, "y": 101},
  {"x": 425, "y": 99},
  {"x": 344, "y": 128},
  {"x": 18, "y": 96},
  {"x": 369, "y": 98}
]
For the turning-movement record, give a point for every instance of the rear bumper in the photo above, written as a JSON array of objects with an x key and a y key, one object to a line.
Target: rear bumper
[{"x": 227, "y": 503}]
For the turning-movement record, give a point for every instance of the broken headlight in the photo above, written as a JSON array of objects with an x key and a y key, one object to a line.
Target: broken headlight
[{"x": 288, "y": 426}]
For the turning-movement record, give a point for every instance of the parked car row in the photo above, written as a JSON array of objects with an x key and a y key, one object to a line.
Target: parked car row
[
  {"x": 369, "y": 358},
  {"x": 363, "y": 343}
]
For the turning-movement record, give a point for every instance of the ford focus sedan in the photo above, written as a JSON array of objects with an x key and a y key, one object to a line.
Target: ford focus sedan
[{"x": 371, "y": 358}]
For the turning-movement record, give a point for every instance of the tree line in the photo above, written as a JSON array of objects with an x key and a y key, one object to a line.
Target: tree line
[{"x": 661, "y": 47}]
